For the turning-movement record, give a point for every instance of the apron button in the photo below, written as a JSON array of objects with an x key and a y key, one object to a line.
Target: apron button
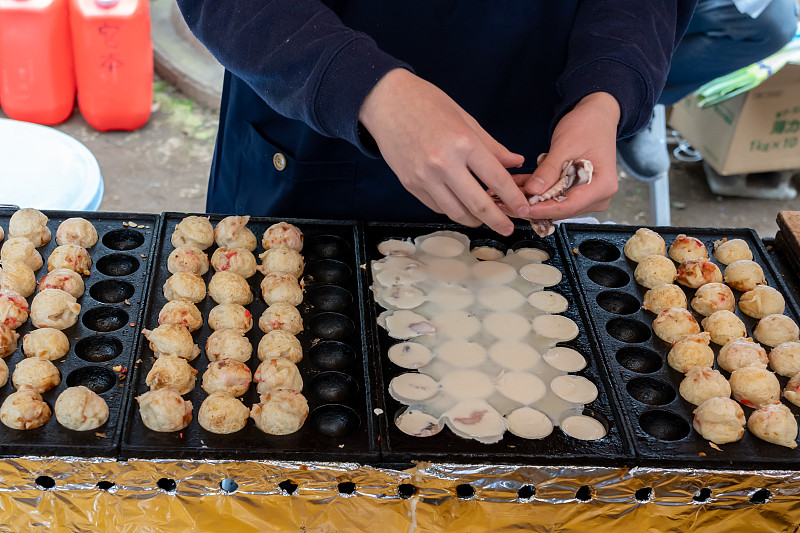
[{"x": 279, "y": 160}]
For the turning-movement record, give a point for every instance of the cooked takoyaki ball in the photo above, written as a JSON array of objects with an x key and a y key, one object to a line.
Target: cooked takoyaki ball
[
  {"x": 695, "y": 273},
  {"x": 774, "y": 423},
  {"x": 13, "y": 308},
  {"x": 655, "y": 270},
  {"x": 17, "y": 276},
  {"x": 63, "y": 279},
  {"x": 232, "y": 232},
  {"x": 663, "y": 297},
  {"x": 229, "y": 288},
  {"x": 80, "y": 409},
  {"x": 713, "y": 297},
  {"x": 739, "y": 353},
  {"x": 30, "y": 224},
  {"x": 230, "y": 316},
  {"x": 3, "y": 372},
  {"x": 773, "y": 330},
  {"x": 76, "y": 231},
  {"x": 702, "y": 383},
  {"x": 645, "y": 242},
  {"x": 278, "y": 343},
  {"x": 784, "y": 359},
  {"x": 171, "y": 339},
  {"x": 280, "y": 287},
  {"x": 729, "y": 251},
  {"x": 21, "y": 249},
  {"x": 39, "y": 374},
  {"x": 791, "y": 392},
  {"x": 54, "y": 308},
  {"x": 280, "y": 412},
  {"x": 755, "y": 386},
  {"x": 282, "y": 259},
  {"x": 193, "y": 231},
  {"x": 762, "y": 301},
  {"x": 164, "y": 410},
  {"x": 173, "y": 373},
  {"x": 283, "y": 234},
  {"x": 228, "y": 344},
  {"x": 237, "y": 260},
  {"x": 185, "y": 285},
  {"x": 278, "y": 373},
  {"x": 229, "y": 376},
  {"x": 182, "y": 313},
  {"x": 744, "y": 275},
  {"x": 70, "y": 256},
  {"x": 720, "y": 420},
  {"x": 45, "y": 343},
  {"x": 674, "y": 323},
  {"x": 24, "y": 409},
  {"x": 724, "y": 326},
  {"x": 187, "y": 259},
  {"x": 687, "y": 248},
  {"x": 222, "y": 414},
  {"x": 8, "y": 341},
  {"x": 281, "y": 316},
  {"x": 2, "y": 234},
  {"x": 691, "y": 350}
]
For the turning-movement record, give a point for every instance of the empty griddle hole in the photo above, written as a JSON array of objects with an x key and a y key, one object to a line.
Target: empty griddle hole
[
  {"x": 332, "y": 355},
  {"x": 608, "y": 276},
  {"x": 334, "y": 420},
  {"x": 326, "y": 247},
  {"x": 598, "y": 250},
  {"x": 118, "y": 265},
  {"x": 406, "y": 490},
  {"x": 333, "y": 387},
  {"x": 540, "y": 245},
  {"x": 644, "y": 495},
  {"x": 288, "y": 486},
  {"x": 619, "y": 303},
  {"x": 346, "y": 487},
  {"x": 331, "y": 326},
  {"x": 105, "y": 485},
  {"x": 228, "y": 485},
  {"x": 584, "y": 494},
  {"x": 112, "y": 291},
  {"x": 640, "y": 360},
  {"x": 328, "y": 271},
  {"x": 329, "y": 298},
  {"x": 527, "y": 492},
  {"x": 651, "y": 391},
  {"x": 98, "y": 348},
  {"x": 760, "y": 496},
  {"x": 702, "y": 495},
  {"x": 105, "y": 318},
  {"x": 465, "y": 491},
  {"x": 45, "y": 482},
  {"x": 664, "y": 425},
  {"x": 628, "y": 330},
  {"x": 166, "y": 484},
  {"x": 123, "y": 239},
  {"x": 95, "y": 378}
]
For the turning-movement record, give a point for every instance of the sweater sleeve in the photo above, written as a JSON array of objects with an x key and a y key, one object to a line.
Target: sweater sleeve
[
  {"x": 296, "y": 55},
  {"x": 623, "y": 47}
]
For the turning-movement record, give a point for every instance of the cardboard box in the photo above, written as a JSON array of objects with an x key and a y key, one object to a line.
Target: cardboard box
[{"x": 757, "y": 131}]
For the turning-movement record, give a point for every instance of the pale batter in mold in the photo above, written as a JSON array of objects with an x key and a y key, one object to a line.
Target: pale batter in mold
[
  {"x": 521, "y": 387},
  {"x": 456, "y": 324},
  {"x": 529, "y": 423},
  {"x": 418, "y": 423},
  {"x": 583, "y": 427},
  {"x": 556, "y": 327},
  {"x": 514, "y": 355},
  {"x": 410, "y": 355},
  {"x": 546, "y": 275},
  {"x": 465, "y": 384},
  {"x": 412, "y": 387},
  {"x": 565, "y": 359},
  {"x": 451, "y": 296},
  {"x": 476, "y": 419},
  {"x": 548, "y": 301},
  {"x": 506, "y": 326},
  {"x": 500, "y": 298},
  {"x": 533, "y": 254},
  {"x": 574, "y": 389},
  {"x": 461, "y": 354},
  {"x": 441, "y": 245},
  {"x": 493, "y": 272}
]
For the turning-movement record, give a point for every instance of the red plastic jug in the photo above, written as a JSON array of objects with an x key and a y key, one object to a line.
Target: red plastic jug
[
  {"x": 37, "y": 78},
  {"x": 113, "y": 62}
]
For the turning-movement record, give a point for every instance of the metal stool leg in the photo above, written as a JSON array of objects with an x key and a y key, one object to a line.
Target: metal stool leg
[{"x": 659, "y": 200}]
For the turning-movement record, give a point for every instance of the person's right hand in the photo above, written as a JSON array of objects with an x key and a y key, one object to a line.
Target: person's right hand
[{"x": 434, "y": 147}]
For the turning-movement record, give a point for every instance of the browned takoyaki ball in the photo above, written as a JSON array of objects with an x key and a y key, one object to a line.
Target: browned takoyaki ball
[
  {"x": 755, "y": 386},
  {"x": 3, "y": 372},
  {"x": 76, "y": 231},
  {"x": 185, "y": 285},
  {"x": 280, "y": 412},
  {"x": 30, "y": 224},
  {"x": 663, "y": 297},
  {"x": 227, "y": 375},
  {"x": 686, "y": 248},
  {"x": 728, "y": 251},
  {"x": 695, "y": 273},
  {"x": 193, "y": 231},
  {"x": 702, "y": 383},
  {"x": 39, "y": 374},
  {"x": 774, "y": 423},
  {"x": 171, "y": 339},
  {"x": 284, "y": 234},
  {"x": 45, "y": 343},
  {"x": 277, "y": 373},
  {"x": 54, "y": 308},
  {"x": 80, "y": 409},
  {"x": 17, "y": 276},
  {"x": 232, "y": 232},
  {"x": 70, "y": 256},
  {"x": 674, "y": 323},
  {"x": 282, "y": 259},
  {"x": 280, "y": 287},
  {"x": 741, "y": 352},
  {"x": 24, "y": 409},
  {"x": 8, "y": 341},
  {"x": 181, "y": 312},
  {"x": 689, "y": 351},
  {"x": 655, "y": 270},
  {"x": 64, "y": 279},
  {"x": 228, "y": 344},
  {"x": 21, "y": 249},
  {"x": 724, "y": 326},
  {"x": 164, "y": 410},
  {"x": 281, "y": 316},
  {"x": 784, "y": 359},
  {"x": 173, "y": 373},
  {"x": 279, "y": 343},
  {"x": 720, "y": 420},
  {"x": 773, "y": 330},
  {"x": 230, "y": 316},
  {"x": 222, "y": 414},
  {"x": 762, "y": 301},
  {"x": 229, "y": 288},
  {"x": 187, "y": 259},
  {"x": 645, "y": 242},
  {"x": 13, "y": 308},
  {"x": 713, "y": 297},
  {"x": 744, "y": 275},
  {"x": 237, "y": 260}
]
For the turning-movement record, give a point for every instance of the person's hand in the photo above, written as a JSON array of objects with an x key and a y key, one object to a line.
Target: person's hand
[{"x": 434, "y": 147}]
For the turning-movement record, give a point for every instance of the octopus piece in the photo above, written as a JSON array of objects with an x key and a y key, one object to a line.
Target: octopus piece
[
  {"x": 691, "y": 350},
  {"x": 228, "y": 344},
  {"x": 281, "y": 316},
  {"x": 187, "y": 259},
  {"x": 30, "y": 224},
  {"x": 229, "y": 288},
  {"x": 283, "y": 234},
  {"x": 280, "y": 287},
  {"x": 282, "y": 259},
  {"x": 21, "y": 249},
  {"x": 171, "y": 339},
  {"x": 78, "y": 231},
  {"x": 773, "y": 330},
  {"x": 686, "y": 248},
  {"x": 655, "y": 270},
  {"x": 741, "y": 352},
  {"x": 703, "y": 383},
  {"x": 573, "y": 173},
  {"x": 791, "y": 392},
  {"x": 3, "y": 372},
  {"x": 774, "y": 423},
  {"x": 755, "y": 386},
  {"x": 672, "y": 324},
  {"x": 70, "y": 256},
  {"x": 237, "y": 260},
  {"x": 762, "y": 301},
  {"x": 24, "y": 409},
  {"x": 17, "y": 276},
  {"x": 230, "y": 316},
  {"x": 695, "y": 273},
  {"x": 229, "y": 376},
  {"x": 164, "y": 410},
  {"x": 63, "y": 279},
  {"x": 182, "y": 313},
  {"x": 720, "y": 420},
  {"x": 185, "y": 285},
  {"x": 232, "y": 232},
  {"x": 724, "y": 326},
  {"x": 744, "y": 275},
  {"x": 45, "y": 343},
  {"x": 278, "y": 343},
  {"x": 8, "y": 341},
  {"x": 39, "y": 374},
  {"x": 13, "y": 308},
  {"x": 644, "y": 243},
  {"x": 713, "y": 297},
  {"x": 171, "y": 372},
  {"x": 784, "y": 359},
  {"x": 729, "y": 251},
  {"x": 663, "y": 297},
  {"x": 279, "y": 373},
  {"x": 54, "y": 308},
  {"x": 80, "y": 409},
  {"x": 222, "y": 414},
  {"x": 280, "y": 412},
  {"x": 193, "y": 231}
]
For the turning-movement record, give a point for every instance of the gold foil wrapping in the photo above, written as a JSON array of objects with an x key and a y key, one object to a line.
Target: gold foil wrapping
[{"x": 161, "y": 495}]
